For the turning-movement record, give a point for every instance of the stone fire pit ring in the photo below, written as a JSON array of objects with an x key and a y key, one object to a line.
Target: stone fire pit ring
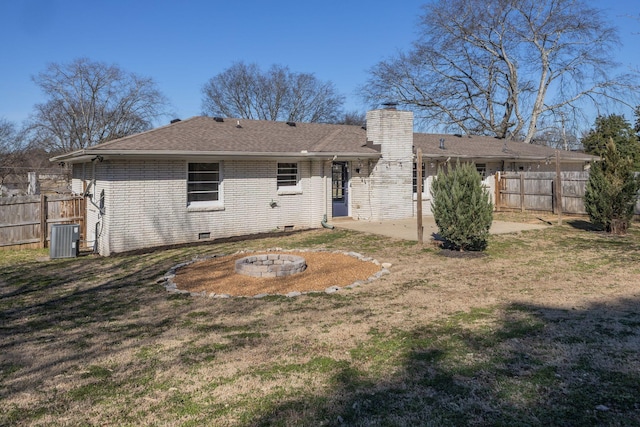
[{"x": 270, "y": 265}]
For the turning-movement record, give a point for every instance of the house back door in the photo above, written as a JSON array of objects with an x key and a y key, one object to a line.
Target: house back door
[{"x": 340, "y": 189}]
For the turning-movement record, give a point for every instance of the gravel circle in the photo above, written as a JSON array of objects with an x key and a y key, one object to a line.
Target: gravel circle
[{"x": 325, "y": 272}]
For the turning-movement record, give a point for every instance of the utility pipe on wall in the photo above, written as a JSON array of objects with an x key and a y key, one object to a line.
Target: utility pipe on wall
[{"x": 324, "y": 193}]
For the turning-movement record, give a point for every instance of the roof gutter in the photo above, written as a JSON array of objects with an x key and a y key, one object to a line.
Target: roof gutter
[
  {"x": 85, "y": 155},
  {"x": 514, "y": 158}
]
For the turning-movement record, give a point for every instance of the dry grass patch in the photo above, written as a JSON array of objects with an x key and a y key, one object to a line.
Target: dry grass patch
[{"x": 545, "y": 329}]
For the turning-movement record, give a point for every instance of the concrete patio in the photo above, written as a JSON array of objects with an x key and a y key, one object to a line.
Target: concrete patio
[{"x": 406, "y": 229}]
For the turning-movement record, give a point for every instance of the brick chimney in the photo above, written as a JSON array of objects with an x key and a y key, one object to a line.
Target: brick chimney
[{"x": 392, "y": 176}]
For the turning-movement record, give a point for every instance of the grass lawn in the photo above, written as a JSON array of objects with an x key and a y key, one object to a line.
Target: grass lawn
[{"x": 543, "y": 330}]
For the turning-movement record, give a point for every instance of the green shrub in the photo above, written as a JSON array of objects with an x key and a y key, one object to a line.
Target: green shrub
[
  {"x": 461, "y": 208},
  {"x": 611, "y": 192}
]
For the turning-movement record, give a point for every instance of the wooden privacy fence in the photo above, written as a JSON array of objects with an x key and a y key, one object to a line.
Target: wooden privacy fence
[
  {"x": 536, "y": 191},
  {"x": 25, "y": 221}
]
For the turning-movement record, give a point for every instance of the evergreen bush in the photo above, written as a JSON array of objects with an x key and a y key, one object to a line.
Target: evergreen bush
[
  {"x": 612, "y": 191},
  {"x": 461, "y": 208}
]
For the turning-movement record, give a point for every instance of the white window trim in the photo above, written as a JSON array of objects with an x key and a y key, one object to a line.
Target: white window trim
[
  {"x": 210, "y": 205},
  {"x": 426, "y": 189},
  {"x": 425, "y": 184},
  {"x": 290, "y": 189}
]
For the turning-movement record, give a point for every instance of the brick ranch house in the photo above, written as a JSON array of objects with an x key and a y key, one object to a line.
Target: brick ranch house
[{"x": 206, "y": 178}]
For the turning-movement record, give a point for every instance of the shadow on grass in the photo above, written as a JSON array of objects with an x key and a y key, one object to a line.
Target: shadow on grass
[
  {"x": 583, "y": 225},
  {"x": 530, "y": 365},
  {"x": 69, "y": 323},
  {"x": 59, "y": 316}
]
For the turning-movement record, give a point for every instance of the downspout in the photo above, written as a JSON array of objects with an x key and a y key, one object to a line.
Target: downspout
[
  {"x": 99, "y": 223},
  {"x": 324, "y": 193}
]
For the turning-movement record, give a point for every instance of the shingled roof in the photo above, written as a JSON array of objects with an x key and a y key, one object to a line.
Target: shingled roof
[
  {"x": 240, "y": 138},
  {"x": 485, "y": 147},
  {"x": 237, "y": 137}
]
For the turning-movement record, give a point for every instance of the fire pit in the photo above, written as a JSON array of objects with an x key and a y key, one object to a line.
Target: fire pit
[{"x": 271, "y": 265}]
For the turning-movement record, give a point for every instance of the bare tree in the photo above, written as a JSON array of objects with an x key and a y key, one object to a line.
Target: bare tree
[
  {"x": 245, "y": 91},
  {"x": 12, "y": 150},
  {"x": 557, "y": 137},
  {"x": 558, "y": 130},
  {"x": 92, "y": 102},
  {"x": 355, "y": 118},
  {"x": 497, "y": 67}
]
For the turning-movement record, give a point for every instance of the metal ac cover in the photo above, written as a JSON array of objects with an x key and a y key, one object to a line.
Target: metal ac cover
[{"x": 65, "y": 241}]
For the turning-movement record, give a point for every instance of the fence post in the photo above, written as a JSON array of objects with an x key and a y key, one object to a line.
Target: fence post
[
  {"x": 496, "y": 190},
  {"x": 33, "y": 183},
  {"x": 558, "y": 187},
  {"x": 522, "y": 191},
  {"x": 44, "y": 214},
  {"x": 553, "y": 196}
]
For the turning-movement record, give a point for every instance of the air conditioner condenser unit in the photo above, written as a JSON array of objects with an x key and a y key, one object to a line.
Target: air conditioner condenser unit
[{"x": 65, "y": 241}]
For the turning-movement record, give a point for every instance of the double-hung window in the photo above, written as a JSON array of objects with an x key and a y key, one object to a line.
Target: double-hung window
[
  {"x": 288, "y": 178},
  {"x": 204, "y": 185}
]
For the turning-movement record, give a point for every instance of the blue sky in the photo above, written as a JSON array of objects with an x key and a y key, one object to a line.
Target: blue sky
[{"x": 181, "y": 44}]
